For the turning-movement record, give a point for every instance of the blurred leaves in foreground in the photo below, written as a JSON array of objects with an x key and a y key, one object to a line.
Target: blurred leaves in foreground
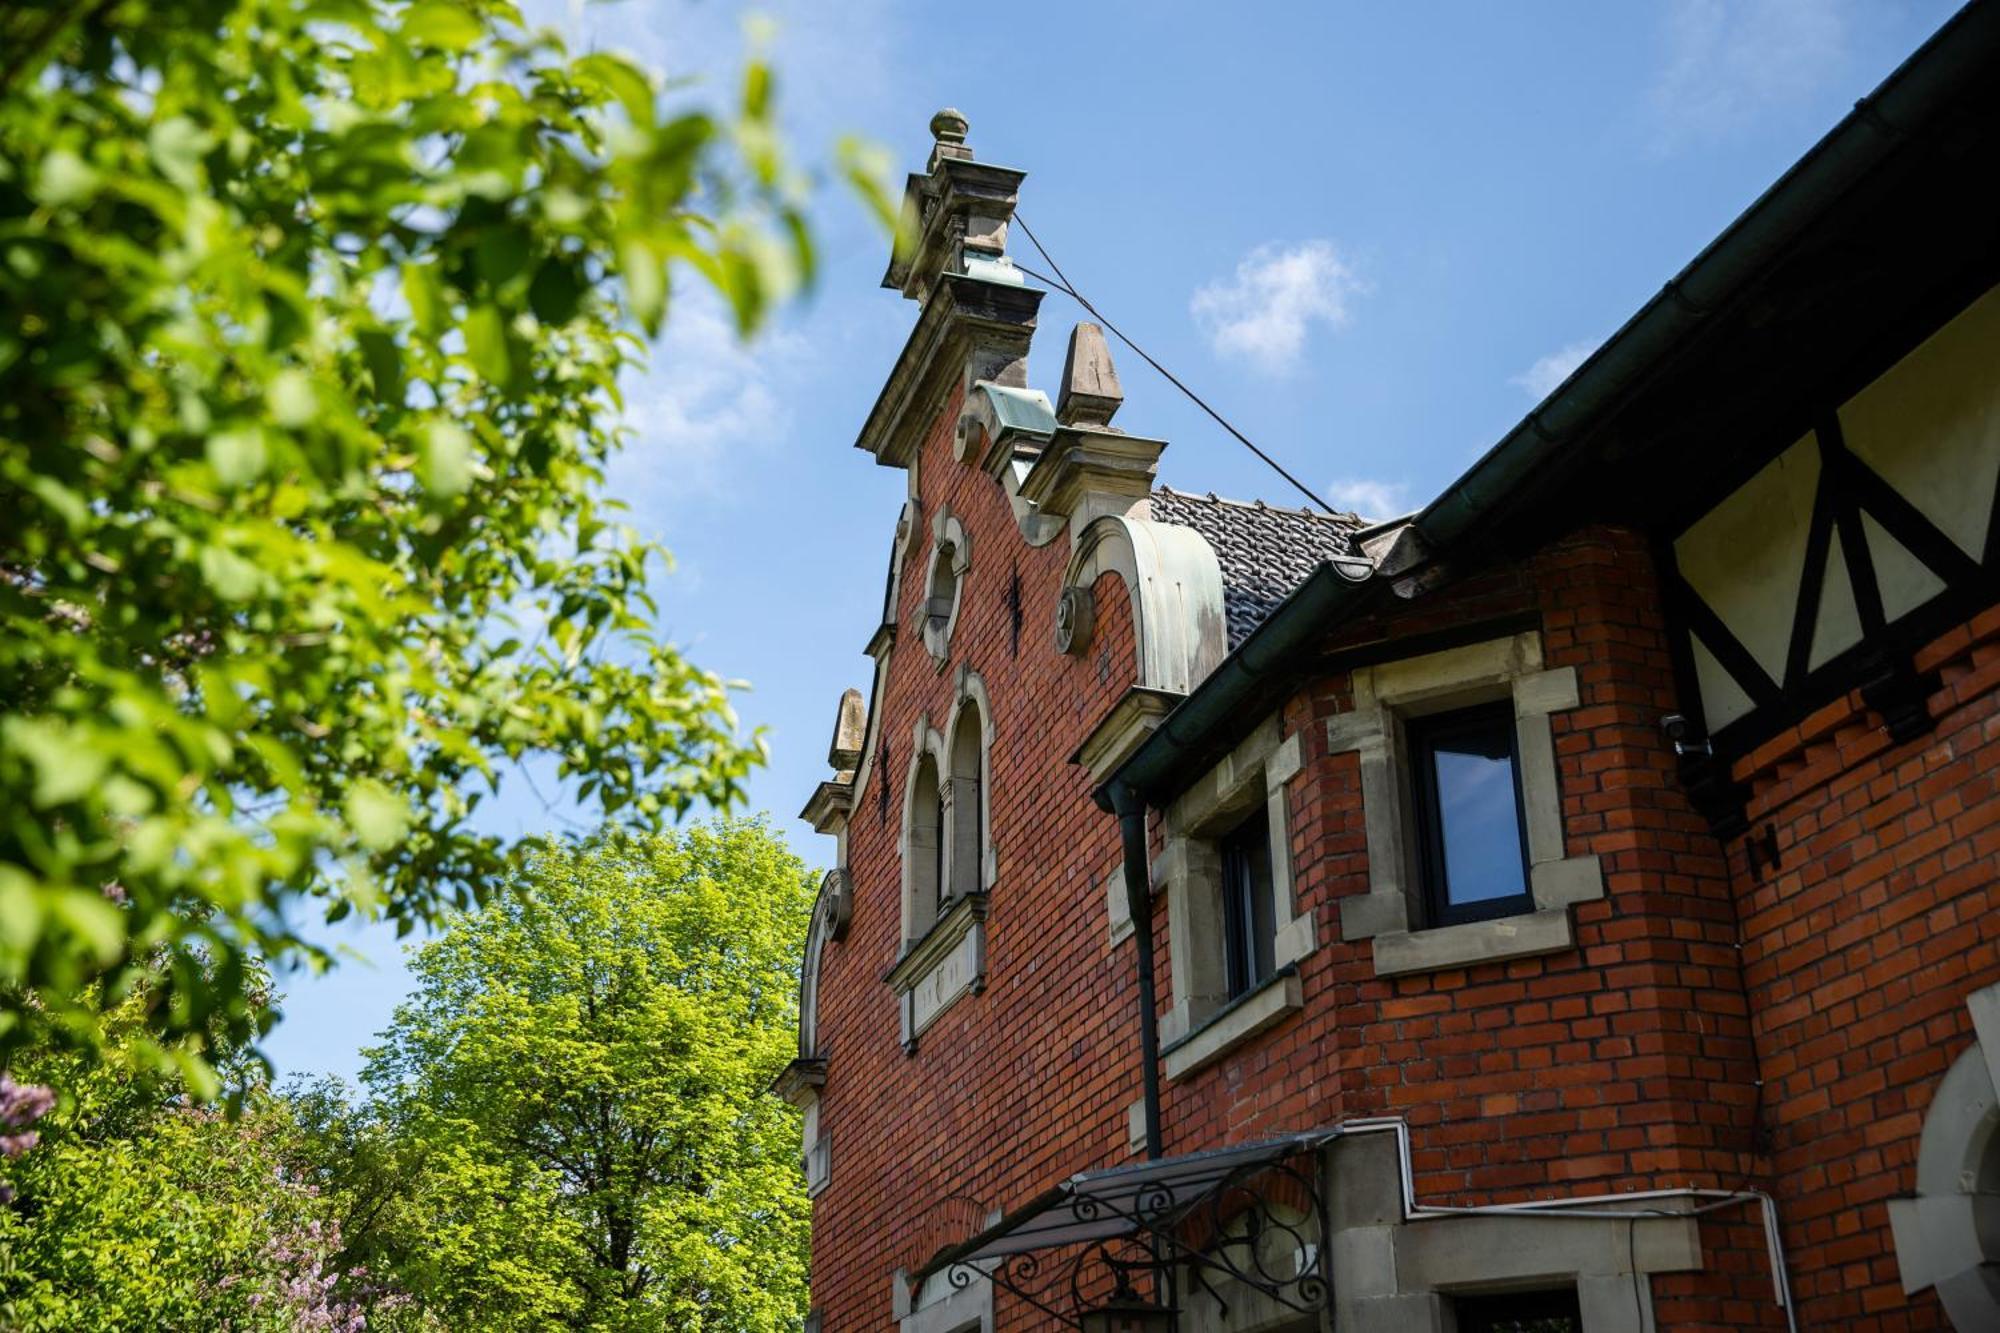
[{"x": 312, "y": 320}]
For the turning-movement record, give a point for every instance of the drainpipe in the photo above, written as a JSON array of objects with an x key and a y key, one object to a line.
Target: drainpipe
[{"x": 1131, "y": 811}]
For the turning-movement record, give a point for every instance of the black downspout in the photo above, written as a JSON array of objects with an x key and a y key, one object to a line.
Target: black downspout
[{"x": 1139, "y": 903}]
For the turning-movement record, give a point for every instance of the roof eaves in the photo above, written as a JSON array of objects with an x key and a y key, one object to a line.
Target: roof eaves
[{"x": 1963, "y": 50}]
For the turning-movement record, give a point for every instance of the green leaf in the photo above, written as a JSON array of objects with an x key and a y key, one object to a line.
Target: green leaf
[
  {"x": 293, "y": 402},
  {"x": 645, "y": 283},
  {"x": 556, "y": 292},
  {"x": 178, "y": 145},
  {"x": 486, "y": 344},
  {"x": 97, "y": 922},
  {"x": 378, "y": 816},
  {"x": 66, "y": 764},
  {"x": 426, "y": 302},
  {"x": 238, "y": 456},
  {"x": 385, "y": 365},
  {"x": 623, "y": 80},
  {"x": 440, "y": 24},
  {"x": 233, "y": 578},
  {"x": 448, "y": 459},
  {"x": 64, "y": 178}
]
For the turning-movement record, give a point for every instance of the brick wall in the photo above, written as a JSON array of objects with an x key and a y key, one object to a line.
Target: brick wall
[
  {"x": 1028, "y": 1081},
  {"x": 1860, "y": 948},
  {"x": 1630, "y": 1062}
]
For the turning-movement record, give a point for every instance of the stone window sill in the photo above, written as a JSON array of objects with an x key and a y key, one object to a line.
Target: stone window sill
[
  {"x": 948, "y": 962},
  {"x": 1400, "y": 952},
  {"x": 1235, "y": 1023}
]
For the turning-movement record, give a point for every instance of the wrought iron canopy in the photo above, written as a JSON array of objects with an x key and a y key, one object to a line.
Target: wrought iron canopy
[{"x": 1166, "y": 1217}]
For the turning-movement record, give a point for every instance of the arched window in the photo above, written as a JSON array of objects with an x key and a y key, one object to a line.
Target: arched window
[
  {"x": 923, "y": 854},
  {"x": 965, "y": 802}
]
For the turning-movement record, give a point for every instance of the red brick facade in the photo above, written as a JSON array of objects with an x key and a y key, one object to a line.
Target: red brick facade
[{"x": 1763, "y": 999}]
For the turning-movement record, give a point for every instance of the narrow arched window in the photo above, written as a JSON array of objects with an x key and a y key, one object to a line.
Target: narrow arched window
[
  {"x": 925, "y": 855},
  {"x": 965, "y": 802}
]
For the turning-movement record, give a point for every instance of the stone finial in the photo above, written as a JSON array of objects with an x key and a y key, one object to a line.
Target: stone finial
[
  {"x": 949, "y": 129},
  {"x": 948, "y": 126},
  {"x": 1090, "y": 393},
  {"x": 849, "y": 732}
]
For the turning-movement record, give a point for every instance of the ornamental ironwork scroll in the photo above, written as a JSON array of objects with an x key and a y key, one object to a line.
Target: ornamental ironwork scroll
[{"x": 1259, "y": 1228}]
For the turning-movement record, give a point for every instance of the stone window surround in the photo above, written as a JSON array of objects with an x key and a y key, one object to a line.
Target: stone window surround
[
  {"x": 936, "y": 622},
  {"x": 1945, "y": 1235},
  {"x": 1205, "y": 1021},
  {"x": 947, "y": 958},
  {"x": 1391, "y": 911}
]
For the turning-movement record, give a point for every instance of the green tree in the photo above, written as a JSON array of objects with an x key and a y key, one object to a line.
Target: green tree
[
  {"x": 140, "y": 1210},
  {"x": 312, "y": 320},
  {"x": 569, "y": 1123}
]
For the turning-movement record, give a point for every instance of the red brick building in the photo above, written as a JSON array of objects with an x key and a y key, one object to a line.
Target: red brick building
[{"x": 1570, "y": 906}]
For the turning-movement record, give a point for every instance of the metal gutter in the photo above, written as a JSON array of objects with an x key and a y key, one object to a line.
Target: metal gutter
[{"x": 1956, "y": 58}]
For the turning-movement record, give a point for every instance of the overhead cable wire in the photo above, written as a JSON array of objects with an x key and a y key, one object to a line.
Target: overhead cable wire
[{"x": 1062, "y": 284}]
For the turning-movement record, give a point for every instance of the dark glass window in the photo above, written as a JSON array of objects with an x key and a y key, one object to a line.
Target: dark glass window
[
  {"x": 1472, "y": 843},
  {"x": 1520, "y": 1312},
  {"x": 1249, "y": 926}
]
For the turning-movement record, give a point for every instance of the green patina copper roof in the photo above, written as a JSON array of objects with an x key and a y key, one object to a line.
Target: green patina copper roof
[
  {"x": 993, "y": 268},
  {"x": 1025, "y": 410}
]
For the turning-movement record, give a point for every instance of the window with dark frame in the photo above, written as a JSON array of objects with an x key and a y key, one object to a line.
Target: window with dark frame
[
  {"x": 1249, "y": 919},
  {"x": 1471, "y": 830},
  {"x": 1520, "y": 1312}
]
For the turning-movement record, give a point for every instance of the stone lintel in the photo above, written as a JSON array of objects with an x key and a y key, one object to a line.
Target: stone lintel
[
  {"x": 1125, "y": 727},
  {"x": 953, "y": 924}
]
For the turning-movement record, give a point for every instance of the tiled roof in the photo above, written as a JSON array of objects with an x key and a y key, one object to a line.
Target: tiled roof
[{"x": 1265, "y": 551}]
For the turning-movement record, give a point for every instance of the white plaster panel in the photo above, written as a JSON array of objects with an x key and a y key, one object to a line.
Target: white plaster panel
[
  {"x": 1746, "y": 557},
  {"x": 1837, "y": 623},
  {"x": 1930, "y": 424},
  {"x": 1722, "y": 699},
  {"x": 1906, "y": 582}
]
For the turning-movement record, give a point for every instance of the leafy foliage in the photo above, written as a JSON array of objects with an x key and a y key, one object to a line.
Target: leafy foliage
[
  {"x": 312, "y": 317},
  {"x": 141, "y": 1210},
  {"x": 569, "y": 1121}
]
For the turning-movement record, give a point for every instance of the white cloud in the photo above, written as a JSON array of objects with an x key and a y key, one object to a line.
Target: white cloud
[
  {"x": 1729, "y": 62},
  {"x": 1262, "y": 315},
  {"x": 1542, "y": 378},
  {"x": 708, "y": 410},
  {"x": 1368, "y": 498}
]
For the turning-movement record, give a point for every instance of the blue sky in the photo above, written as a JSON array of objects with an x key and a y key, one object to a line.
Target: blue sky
[{"x": 1371, "y": 234}]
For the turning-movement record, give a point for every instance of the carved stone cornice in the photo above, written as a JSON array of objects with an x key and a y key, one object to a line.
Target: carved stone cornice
[
  {"x": 970, "y": 329},
  {"x": 830, "y": 803},
  {"x": 800, "y": 1081},
  {"x": 960, "y": 204},
  {"x": 1084, "y": 472}
]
